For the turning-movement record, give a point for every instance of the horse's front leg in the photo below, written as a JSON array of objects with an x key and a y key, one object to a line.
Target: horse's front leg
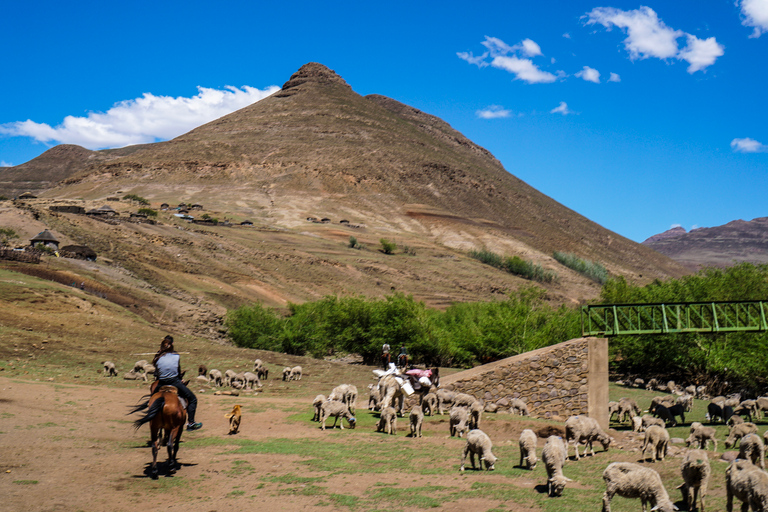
[{"x": 155, "y": 448}]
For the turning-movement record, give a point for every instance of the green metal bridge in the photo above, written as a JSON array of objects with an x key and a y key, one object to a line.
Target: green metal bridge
[{"x": 703, "y": 317}]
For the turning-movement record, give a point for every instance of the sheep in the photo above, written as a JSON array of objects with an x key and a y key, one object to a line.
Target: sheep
[
  {"x": 475, "y": 413},
  {"x": 444, "y": 398},
  {"x": 463, "y": 400},
  {"x": 718, "y": 400},
  {"x": 747, "y": 408},
  {"x": 701, "y": 391},
  {"x": 753, "y": 449},
  {"x": 638, "y": 383},
  {"x": 739, "y": 431},
  {"x": 337, "y": 410},
  {"x": 251, "y": 379},
  {"x": 257, "y": 364},
  {"x": 518, "y": 406},
  {"x": 554, "y": 455},
  {"x": 700, "y": 436},
  {"x": 665, "y": 413},
  {"x": 733, "y": 400},
  {"x": 374, "y": 398},
  {"x": 296, "y": 372},
  {"x": 658, "y": 439},
  {"x": 150, "y": 370},
  {"x": 202, "y": 379},
  {"x": 583, "y": 429},
  {"x": 714, "y": 410},
  {"x": 478, "y": 443},
  {"x": 416, "y": 419},
  {"x": 215, "y": 377},
  {"x": 630, "y": 480},
  {"x": 202, "y": 370},
  {"x": 691, "y": 390},
  {"x": 458, "y": 419},
  {"x": 627, "y": 408},
  {"x": 387, "y": 421},
  {"x": 138, "y": 366},
  {"x": 260, "y": 370},
  {"x": 762, "y": 404},
  {"x": 109, "y": 369},
  {"x": 286, "y": 373},
  {"x": 686, "y": 401},
  {"x": 228, "y": 376},
  {"x": 651, "y": 385},
  {"x": 234, "y": 420},
  {"x": 648, "y": 420},
  {"x": 613, "y": 408},
  {"x": 637, "y": 423},
  {"x": 132, "y": 375},
  {"x": 429, "y": 404},
  {"x": 345, "y": 393},
  {"x": 696, "y": 471},
  {"x": 528, "y": 449},
  {"x": 747, "y": 483},
  {"x": 666, "y": 401},
  {"x": 734, "y": 420},
  {"x": 317, "y": 403}
]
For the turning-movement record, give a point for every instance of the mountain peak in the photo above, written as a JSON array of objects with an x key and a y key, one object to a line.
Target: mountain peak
[
  {"x": 670, "y": 233},
  {"x": 314, "y": 72}
]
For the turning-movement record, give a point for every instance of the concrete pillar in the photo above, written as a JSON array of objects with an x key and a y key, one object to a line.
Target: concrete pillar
[{"x": 597, "y": 395}]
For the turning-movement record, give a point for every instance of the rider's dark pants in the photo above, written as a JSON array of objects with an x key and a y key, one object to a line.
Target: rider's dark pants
[{"x": 184, "y": 393}]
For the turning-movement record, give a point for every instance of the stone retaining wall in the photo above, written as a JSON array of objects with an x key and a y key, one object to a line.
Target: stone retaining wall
[{"x": 556, "y": 381}]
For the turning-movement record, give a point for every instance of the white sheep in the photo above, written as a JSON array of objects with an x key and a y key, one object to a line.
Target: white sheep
[
  {"x": 658, "y": 439},
  {"x": 739, "y": 431},
  {"x": 337, "y": 410},
  {"x": 747, "y": 483},
  {"x": 752, "y": 449},
  {"x": 701, "y": 436},
  {"x": 215, "y": 377},
  {"x": 135, "y": 376},
  {"x": 475, "y": 413},
  {"x": 228, "y": 376},
  {"x": 627, "y": 408},
  {"x": 374, "y": 398},
  {"x": 583, "y": 429},
  {"x": 416, "y": 419},
  {"x": 138, "y": 366},
  {"x": 518, "y": 406},
  {"x": 317, "y": 403},
  {"x": 463, "y": 400},
  {"x": 648, "y": 420},
  {"x": 296, "y": 372},
  {"x": 637, "y": 424},
  {"x": 444, "y": 399},
  {"x": 554, "y": 454},
  {"x": 696, "y": 471},
  {"x": 429, "y": 404},
  {"x": 457, "y": 420},
  {"x": 251, "y": 379},
  {"x": 630, "y": 480},
  {"x": 528, "y": 442},
  {"x": 109, "y": 369},
  {"x": 387, "y": 421},
  {"x": 287, "y": 373},
  {"x": 257, "y": 364},
  {"x": 346, "y": 393},
  {"x": 478, "y": 443}
]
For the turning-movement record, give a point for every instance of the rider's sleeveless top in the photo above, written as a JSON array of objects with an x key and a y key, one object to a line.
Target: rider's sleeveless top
[{"x": 167, "y": 366}]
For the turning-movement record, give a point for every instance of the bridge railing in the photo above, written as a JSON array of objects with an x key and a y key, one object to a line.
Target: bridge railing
[{"x": 702, "y": 317}]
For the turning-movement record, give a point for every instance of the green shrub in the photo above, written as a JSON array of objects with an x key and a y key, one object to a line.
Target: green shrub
[
  {"x": 515, "y": 265},
  {"x": 353, "y": 244},
  {"x": 6, "y": 235},
  {"x": 149, "y": 212},
  {"x": 387, "y": 247},
  {"x": 138, "y": 199},
  {"x": 592, "y": 270}
]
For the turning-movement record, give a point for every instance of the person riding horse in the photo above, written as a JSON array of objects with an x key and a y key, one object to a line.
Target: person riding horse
[
  {"x": 402, "y": 358},
  {"x": 168, "y": 371},
  {"x": 385, "y": 356}
]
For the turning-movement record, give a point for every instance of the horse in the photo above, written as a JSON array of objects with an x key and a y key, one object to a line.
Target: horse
[
  {"x": 165, "y": 413},
  {"x": 402, "y": 361},
  {"x": 386, "y": 358}
]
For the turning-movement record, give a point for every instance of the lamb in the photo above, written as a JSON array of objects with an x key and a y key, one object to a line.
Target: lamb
[
  {"x": 518, "y": 406},
  {"x": 444, "y": 398},
  {"x": 739, "y": 431},
  {"x": 317, "y": 403},
  {"x": 374, "y": 398},
  {"x": 475, "y": 412},
  {"x": 613, "y": 408},
  {"x": 658, "y": 439},
  {"x": 132, "y": 375},
  {"x": 234, "y": 420},
  {"x": 429, "y": 404},
  {"x": 463, "y": 400},
  {"x": 554, "y": 455},
  {"x": 752, "y": 449},
  {"x": 747, "y": 408},
  {"x": 583, "y": 429},
  {"x": 109, "y": 369},
  {"x": 478, "y": 443},
  {"x": 528, "y": 442},
  {"x": 637, "y": 423},
  {"x": 747, "y": 483},
  {"x": 345, "y": 393},
  {"x": 695, "y": 470},
  {"x": 734, "y": 420},
  {"x": 416, "y": 419},
  {"x": 286, "y": 373},
  {"x": 215, "y": 377},
  {"x": 387, "y": 421},
  {"x": 228, "y": 376},
  {"x": 296, "y": 372},
  {"x": 337, "y": 410},
  {"x": 701, "y": 436},
  {"x": 627, "y": 409},
  {"x": 458, "y": 419},
  {"x": 260, "y": 369},
  {"x": 630, "y": 480}
]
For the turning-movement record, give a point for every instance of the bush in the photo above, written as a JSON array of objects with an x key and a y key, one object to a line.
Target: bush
[
  {"x": 592, "y": 270},
  {"x": 6, "y": 235},
  {"x": 515, "y": 265},
  {"x": 387, "y": 247},
  {"x": 138, "y": 199},
  {"x": 353, "y": 244},
  {"x": 149, "y": 212}
]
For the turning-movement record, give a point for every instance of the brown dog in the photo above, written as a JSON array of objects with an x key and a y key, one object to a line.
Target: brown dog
[{"x": 234, "y": 420}]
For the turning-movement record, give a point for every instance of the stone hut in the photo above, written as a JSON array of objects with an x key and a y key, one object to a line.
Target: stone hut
[
  {"x": 103, "y": 211},
  {"x": 246, "y": 223},
  {"x": 164, "y": 206},
  {"x": 46, "y": 238},
  {"x": 27, "y": 195}
]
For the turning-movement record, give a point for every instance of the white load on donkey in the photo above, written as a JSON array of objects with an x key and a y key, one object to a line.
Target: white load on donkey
[{"x": 394, "y": 385}]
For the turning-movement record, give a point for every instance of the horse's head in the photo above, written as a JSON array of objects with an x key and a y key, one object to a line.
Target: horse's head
[{"x": 435, "y": 377}]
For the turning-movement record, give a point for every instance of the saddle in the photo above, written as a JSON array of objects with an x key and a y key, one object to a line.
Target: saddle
[{"x": 172, "y": 389}]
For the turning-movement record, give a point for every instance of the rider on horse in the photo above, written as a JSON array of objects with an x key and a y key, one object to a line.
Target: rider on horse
[
  {"x": 402, "y": 358},
  {"x": 168, "y": 371}
]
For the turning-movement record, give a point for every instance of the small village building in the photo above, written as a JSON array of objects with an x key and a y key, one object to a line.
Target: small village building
[
  {"x": 113, "y": 198},
  {"x": 27, "y": 195},
  {"x": 46, "y": 238},
  {"x": 325, "y": 220},
  {"x": 246, "y": 223},
  {"x": 78, "y": 252},
  {"x": 103, "y": 211},
  {"x": 164, "y": 207},
  {"x": 196, "y": 207}
]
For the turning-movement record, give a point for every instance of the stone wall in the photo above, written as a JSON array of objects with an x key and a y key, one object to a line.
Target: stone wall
[{"x": 556, "y": 381}]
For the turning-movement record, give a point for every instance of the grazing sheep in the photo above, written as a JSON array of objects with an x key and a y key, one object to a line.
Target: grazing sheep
[
  {"x": 686, "y": 401},
  {"x": 416, "y": 419},
  {"x": 517, "y": 406},
  {"x": 475, "y": 413},
  {"x": 234, "y": 420},
  {"x": 718, "y": 400},
  {"x": 747, "y": 483},
  {"x": 202, "y": 379},
  {"x": 638, "y": 383},
  {"x": 257, "y": 364},
  {"x": 747, "y": 408},
  {"x": 138, "y": 366},
  {"x": 733, "y": 400},
  {"x": 658, "y": 439},
  {"x": 478, "y": 443},
  {"x": 715, "y": 410},
  {"x": 528, "y": 442},
  {"x": 762, "y": 404},
  {"x": 286, "y": 373},
  {"x": 215, "y": 377},
  {"x": 583, "y": 429},
  {"x": 228, "y": 376},
  {"x": 263, "y": 372},
  {"x": 135, "y": 376},
  {"x": 648, "y": 420},
  {"x": 651, "y": 385},
  {"x": 317, "y": 403},
  {"x": 637, "y": 423},
  {"x": 150, "y": 370},
  {"x": 337, "y": 410},
  {"x": 252, "y": 380},
  {"x": 734, "y": 420},
  {"x": 701, "y": 391},
  {"x": 630, "y": 480},
  {"x": 444, "y": 399},
  {"x": 695, "y": 470},
  {"x": 374, "y": 398},
  {"x": 613, "y": 408},
  {"x": 457, "y": 420},
  {"x": 739, "y": 431},
  {"x": 666, "y": 401},
  {"x": 429, "y": 404},
  {"x": 665, "y": 413},
  {"x": 345, "y": 393},
  {"x": 387, "y": 421},
  {"x": 202, "y": 370},
  {"x": 109, "y": 369},
  {"x": 296, "y": 372},
  {"x": 691, "y": 390},
  {"x": 627, "y": 408},
  {"x": 554, "y": 455},
  {"x": 752, "y": 449},
  {"x": 463, "y": 400},
  {"x": 701, "y": 436}
]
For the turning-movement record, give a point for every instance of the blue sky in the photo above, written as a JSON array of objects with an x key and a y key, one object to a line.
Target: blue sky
[{"x": 639, "y": 116}]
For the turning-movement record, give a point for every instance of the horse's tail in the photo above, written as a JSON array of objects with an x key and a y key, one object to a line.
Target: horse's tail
[
  {"x": 153, "y": 411},
  {"x": 141, "y": 405}
]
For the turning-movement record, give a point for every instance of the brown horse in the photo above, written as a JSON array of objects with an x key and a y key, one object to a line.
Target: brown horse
[{"x": 166, "y": 418}]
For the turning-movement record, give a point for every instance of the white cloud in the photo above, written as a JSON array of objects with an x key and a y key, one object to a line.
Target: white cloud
[
  {"x": 755, "y": 14},
  {"x": 3, "y": 163},
  {"x": 567, "y": 35},
  {"x": 510, "y": 58},
  {"x": 493, "y": 112},
  {"x": 479, "y": 61},
  {"x": 141, "y": 120},
  {"x": 497, "y": 47},
  {"x": 523, "y": 69},
  {"x": 562, "y": 108},
  {"x": 589, "y": 74},
  {"x": 648, "y": 36},
  {"x": 530, "y": 48},
  {"x": 747, "y": 145}
]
